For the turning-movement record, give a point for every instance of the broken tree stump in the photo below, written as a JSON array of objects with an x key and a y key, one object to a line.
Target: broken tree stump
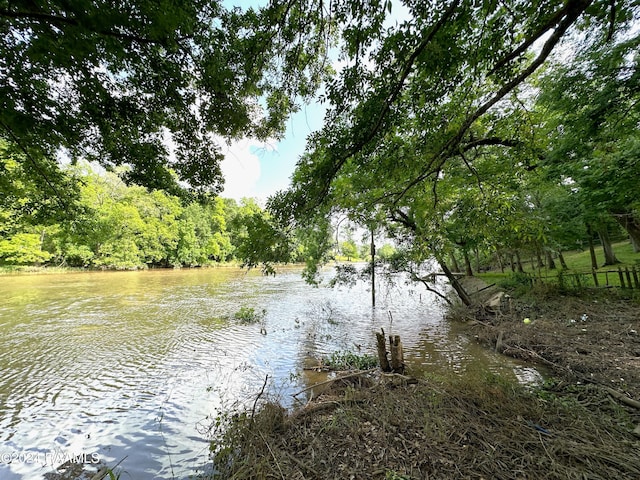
[
  {"x": 382, "y": 352},
  {"x": 397, "y": 354}
]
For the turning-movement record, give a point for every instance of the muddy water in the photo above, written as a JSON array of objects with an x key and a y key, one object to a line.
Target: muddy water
[{"x": 137, "y": 364}]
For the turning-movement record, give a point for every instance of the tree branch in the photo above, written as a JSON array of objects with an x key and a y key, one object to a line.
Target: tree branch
[
  {"x": 573, "y": 9},
  {"x": 391, "y": 98},
  {"x": 489, "y": 141},
  {"x": 59, "y": 20}
]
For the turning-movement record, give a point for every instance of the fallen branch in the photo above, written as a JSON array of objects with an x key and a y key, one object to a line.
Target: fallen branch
[
  {"x": 622, "y": 397},
  {"x": 331, "y": 380},
  {"x": 614, "y": 393}
]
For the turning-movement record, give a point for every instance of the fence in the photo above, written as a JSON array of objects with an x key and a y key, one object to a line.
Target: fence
[{"x": 627, "y": 277}]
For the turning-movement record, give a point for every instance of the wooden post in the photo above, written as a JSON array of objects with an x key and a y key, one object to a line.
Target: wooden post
[
  {"x": 635, "y": 277},
  {"x": 628, "y": 275},
  {"x": 373, "y": 270},
  {"x": 621, "y": 277},
  {"x": 397, "y": 354},
  {"x": 382, "y": 352}
]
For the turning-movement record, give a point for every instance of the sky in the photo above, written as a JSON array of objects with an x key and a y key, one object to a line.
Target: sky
[
  {"x": 259, "y": 169},
  {"x": 256, "y": 169}
]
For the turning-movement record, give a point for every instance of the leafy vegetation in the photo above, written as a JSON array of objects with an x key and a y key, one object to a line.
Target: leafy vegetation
[
  {"x": 249, "y": 315},
  {"x": 113, "y": 225},
  {"x": 118, "y": 83},
  {"x": 350, "y": 361}
]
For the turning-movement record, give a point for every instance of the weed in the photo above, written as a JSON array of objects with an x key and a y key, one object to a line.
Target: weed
[
  {"x": 249, "y": 315},
  {"x": 393, "y": 475},
  {"x": 350, "y": 361}
]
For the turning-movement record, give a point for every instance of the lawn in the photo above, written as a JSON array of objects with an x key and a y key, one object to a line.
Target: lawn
[{"x": 579, "y": 273}]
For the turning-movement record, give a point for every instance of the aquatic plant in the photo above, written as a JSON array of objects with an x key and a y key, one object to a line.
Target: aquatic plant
[
  {"x": 350, "y": 361},
  {"x": 249, "y": 315}
]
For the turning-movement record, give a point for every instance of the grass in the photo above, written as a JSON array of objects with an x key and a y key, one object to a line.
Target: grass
[
  {"x": 250, "y": 315},
  {"x": 349, "y": 361},
  {"x": 579, "y": 273}
]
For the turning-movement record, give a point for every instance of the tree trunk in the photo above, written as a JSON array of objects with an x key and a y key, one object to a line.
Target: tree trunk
[
  {"x": 373, "y": 271},
  {"x": 500, "y": 263},
  {"x": 477, "y": 253},
  {"x": 454, "y": 261},
  {"x": 397, "y": 354},
  {"x": 609, "y": 255},
  {"x": 551, "y": 265},
  {"x": 511, "y": 263},
  {"x": 382, "y": 352},
  {"x": 562, "y": 262},
  {"x": 519, "y": 262},
  {"x": 632, "y": 227},
  {"x": 457, "y": 286},
  {"x": 539, "y": 257},
  {"x": 592, "y": 249},
  {"x": 467, "y": 263}
]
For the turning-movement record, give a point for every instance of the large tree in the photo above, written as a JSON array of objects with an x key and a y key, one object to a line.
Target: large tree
[
  {"x": 127, "y": 82},
  {"x": 451, "y": 84}
]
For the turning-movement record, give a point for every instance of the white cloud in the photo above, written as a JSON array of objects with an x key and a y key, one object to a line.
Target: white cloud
[{"x": 241, "y": 168}]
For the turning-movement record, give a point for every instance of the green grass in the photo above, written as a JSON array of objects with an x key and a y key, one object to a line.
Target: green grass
[{"x": 579, "y": 262}]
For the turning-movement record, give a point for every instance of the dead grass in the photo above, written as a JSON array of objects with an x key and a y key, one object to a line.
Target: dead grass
[
  {"x": 387, "y": 428},
  {"x": 589, "y": 337}
]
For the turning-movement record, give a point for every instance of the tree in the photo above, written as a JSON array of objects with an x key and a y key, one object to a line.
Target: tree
[
  {"x": 591, "y": 106},
  {"x": 349, "y": 249},
  {"x": 120, "y": 83},
  {"x": 23, "y": 249},
  {"x": 450, "y": 85}
]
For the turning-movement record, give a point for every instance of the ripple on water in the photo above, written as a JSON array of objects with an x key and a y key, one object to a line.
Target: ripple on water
[{"x": 137, "y": 364}]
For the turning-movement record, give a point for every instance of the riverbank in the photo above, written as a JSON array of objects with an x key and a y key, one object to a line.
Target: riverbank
[{"x": 580, "y": 424}]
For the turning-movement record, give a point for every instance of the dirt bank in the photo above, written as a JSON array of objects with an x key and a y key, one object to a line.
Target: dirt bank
[{"x": 593, "y": 336}]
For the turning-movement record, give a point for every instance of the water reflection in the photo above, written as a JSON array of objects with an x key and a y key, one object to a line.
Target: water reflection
[{"x": 137, "y": 364}]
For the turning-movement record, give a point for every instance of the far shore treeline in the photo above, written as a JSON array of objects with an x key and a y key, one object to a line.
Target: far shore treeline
[{"x": 108, "y": 224}]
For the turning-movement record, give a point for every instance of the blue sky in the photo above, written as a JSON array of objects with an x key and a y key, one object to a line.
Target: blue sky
[
  {"x": 255, "y": 169},
  {"x": 259, "y": 169}
]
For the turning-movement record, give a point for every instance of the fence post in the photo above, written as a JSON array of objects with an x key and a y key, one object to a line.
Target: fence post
[
  {"x": 635, "y": 277},
  {"x": 628, "y": 275},
  {"x": 595, "y": 277},
  {"x": 621, "y": 277},
  {"x": 578, "y": 280}
]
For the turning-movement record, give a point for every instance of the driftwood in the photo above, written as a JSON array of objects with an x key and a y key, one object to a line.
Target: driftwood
[
  {"x": 614, "y": 393},
  {"x": 335, "y": 379},
  {"x": 622, "y": 397}
]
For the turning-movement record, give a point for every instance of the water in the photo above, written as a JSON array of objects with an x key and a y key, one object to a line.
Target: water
[{"x": 138, "y": 364}]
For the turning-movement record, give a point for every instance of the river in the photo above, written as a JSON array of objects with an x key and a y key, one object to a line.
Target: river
[{"x": 134, "y": 366}]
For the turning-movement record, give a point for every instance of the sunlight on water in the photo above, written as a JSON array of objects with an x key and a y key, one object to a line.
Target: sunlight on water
[{"x": 137, "y": 364}]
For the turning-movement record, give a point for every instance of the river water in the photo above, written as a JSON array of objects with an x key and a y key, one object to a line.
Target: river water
[{"x": 134, "y": 366}]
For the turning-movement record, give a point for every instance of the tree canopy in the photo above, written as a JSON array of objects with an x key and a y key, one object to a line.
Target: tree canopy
[
  {"x": 457, "y": 127},
  {"x": 445, "y": 125},
  {"x": 156, "y": 85}
]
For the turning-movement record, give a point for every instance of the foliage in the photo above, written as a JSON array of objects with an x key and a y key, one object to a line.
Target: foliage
[
  {"x": 113, "y": 225},
  {"x": 350, "y": 361},
  {"x": 516, "y": 281},
  {"x": 249, "y": 315},
  {"x": 112, "y": 82},
  {"x": 436, "y": 135},
  {"x": 23, "y": 248}
]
